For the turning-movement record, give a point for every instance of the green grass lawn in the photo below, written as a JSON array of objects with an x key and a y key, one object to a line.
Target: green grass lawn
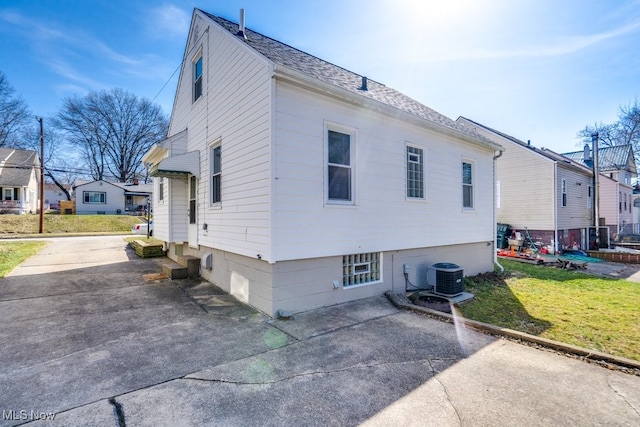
[
  {"x": 592, "y": 312},
  {"x": 13, "y": 253},
  {"x": 28, "y": 224}
]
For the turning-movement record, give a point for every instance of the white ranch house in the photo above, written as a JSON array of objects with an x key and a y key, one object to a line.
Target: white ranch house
[
  {"x": 301, "y": 184},
  {"x": 110, "y": 198}
]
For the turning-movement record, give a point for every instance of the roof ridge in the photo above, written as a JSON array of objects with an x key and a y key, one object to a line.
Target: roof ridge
[
  {"x": 326, "y": 72},
  {"x": 289, "y": 46}
]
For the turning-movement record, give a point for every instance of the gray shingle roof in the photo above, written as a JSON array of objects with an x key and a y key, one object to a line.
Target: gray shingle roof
[
  {"x": 515, "y": 140},
  {"x": 283, "y": 54},
  {"x": 16, "y": 166},
  {"x": 609, "y": 158}
]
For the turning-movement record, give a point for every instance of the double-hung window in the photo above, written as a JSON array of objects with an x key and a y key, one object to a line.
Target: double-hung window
[
  {"x": 467, "y": 185},
  {"x": 216, "y": 174},
  {"x": 197, "y": 78},
  {"x": 415, "y": 173},
  {"x": 564, "y": 192},
  {"x": 339, "y": 167}
]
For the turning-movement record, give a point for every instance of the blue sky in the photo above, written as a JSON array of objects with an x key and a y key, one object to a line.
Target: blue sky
[{"x": 539, "y": 70}]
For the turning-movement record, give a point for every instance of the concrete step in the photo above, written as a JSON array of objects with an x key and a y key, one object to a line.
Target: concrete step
[
  {"x": 175, "y": 271},
  {"x": 192, "y": 264}
]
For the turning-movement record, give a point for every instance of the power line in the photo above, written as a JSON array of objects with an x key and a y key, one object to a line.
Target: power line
[{"x": 167, "y": 82}]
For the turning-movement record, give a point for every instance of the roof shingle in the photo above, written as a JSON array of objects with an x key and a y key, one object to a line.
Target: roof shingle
[
  {"x": 283, "y": 54},
  {"x": 16, "y": 166}
]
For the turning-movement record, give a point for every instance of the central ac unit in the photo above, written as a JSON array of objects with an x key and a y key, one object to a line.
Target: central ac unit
[{"x": 446, "y": 279}]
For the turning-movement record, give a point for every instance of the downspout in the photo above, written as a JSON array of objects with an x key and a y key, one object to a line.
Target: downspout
[
  {"x": 555, "y": 207},
  {"x": 495, "y": 227}
]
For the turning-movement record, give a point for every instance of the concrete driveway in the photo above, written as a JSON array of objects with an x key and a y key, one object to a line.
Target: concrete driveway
[{"x": 91, "y": 334}]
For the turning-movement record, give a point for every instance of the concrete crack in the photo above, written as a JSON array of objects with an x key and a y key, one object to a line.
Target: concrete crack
[
  {"x": 309, "y": 373},
  {"x": 446, "y": 393},
  {"x": 617, "y": 393},
  {"x": 118, "y": 412}
]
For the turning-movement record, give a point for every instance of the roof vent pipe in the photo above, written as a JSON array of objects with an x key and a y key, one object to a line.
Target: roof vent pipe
[
  {"x": 364, "y": 83},
  {"x": 241, "y": 25}
]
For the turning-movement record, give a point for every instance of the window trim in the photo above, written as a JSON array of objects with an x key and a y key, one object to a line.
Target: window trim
[
  {"x": 421, "y": 162},
  {"x": 217, "y": 144},
  {"x": 197, "y": 82},
  {"x": 161, "y": 189},
  {"x": 472, "y": 185},
  {"x": 86, "y": 195},
  {"x": 353, "y": 135},
  {"x": 563, "y": 192}
]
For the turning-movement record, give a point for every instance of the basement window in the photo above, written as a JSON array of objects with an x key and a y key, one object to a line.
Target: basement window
[{"x": 360, "y": 269}]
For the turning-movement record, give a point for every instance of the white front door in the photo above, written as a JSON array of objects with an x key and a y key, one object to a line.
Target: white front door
[{"x": 193, "y": 212}]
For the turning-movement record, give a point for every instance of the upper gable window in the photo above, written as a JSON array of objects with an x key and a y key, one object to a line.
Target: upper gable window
[{"x": 197, "y": 78}]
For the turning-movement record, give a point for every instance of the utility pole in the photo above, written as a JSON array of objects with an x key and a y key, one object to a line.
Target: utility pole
[
  {"x": 41, "y": 227},
  {"x": 596, "y": 190}
]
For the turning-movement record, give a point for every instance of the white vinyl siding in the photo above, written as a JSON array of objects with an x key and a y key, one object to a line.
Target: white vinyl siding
[
  {"x": 575, "y": 213},
  {"x": 306, "y": 226},
  {"x": 235, "y": 108}
]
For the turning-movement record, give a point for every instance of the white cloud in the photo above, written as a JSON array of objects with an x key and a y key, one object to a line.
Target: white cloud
[{"x": 169, "y": 21}]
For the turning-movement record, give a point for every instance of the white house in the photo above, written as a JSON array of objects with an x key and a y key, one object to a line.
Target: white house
[
  {"x": 541, "y": 191},
  {"x": 53, "y": 194},
  {"x": 301, "y": 184},
  {"x": 112, "y": 198},
  {"x": 19, "y": 180}
]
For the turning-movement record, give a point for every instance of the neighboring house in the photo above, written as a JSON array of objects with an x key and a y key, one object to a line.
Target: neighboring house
[
  {"x": 102, "y": 197},
  {"x": 539, "y": 190},
  {"x": 19, "y": 179},
  {"x": 635, "y": 211},
  {"x": 300, "y": 184},
  {"x": 616, "y": 194},
  {"x": 53, "y": 194}
]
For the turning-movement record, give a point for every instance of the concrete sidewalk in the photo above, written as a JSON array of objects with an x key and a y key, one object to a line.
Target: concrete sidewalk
[{"x": 105, "y": 342}]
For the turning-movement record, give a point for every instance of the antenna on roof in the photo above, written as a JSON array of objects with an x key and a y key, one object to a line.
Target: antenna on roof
[
  {"x": 364, "y": 83},
  {"x": 241, "y": 25}
]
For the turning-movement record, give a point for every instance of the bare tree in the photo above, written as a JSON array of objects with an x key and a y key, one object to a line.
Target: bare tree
[
  {"x": 14, "y": 116},
  {"x": 113, "y": 130},
  {"x": 626, "y": 130}
]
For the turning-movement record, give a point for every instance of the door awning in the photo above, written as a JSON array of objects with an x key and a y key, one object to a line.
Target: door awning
[{"x": 179, "y": 165}]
